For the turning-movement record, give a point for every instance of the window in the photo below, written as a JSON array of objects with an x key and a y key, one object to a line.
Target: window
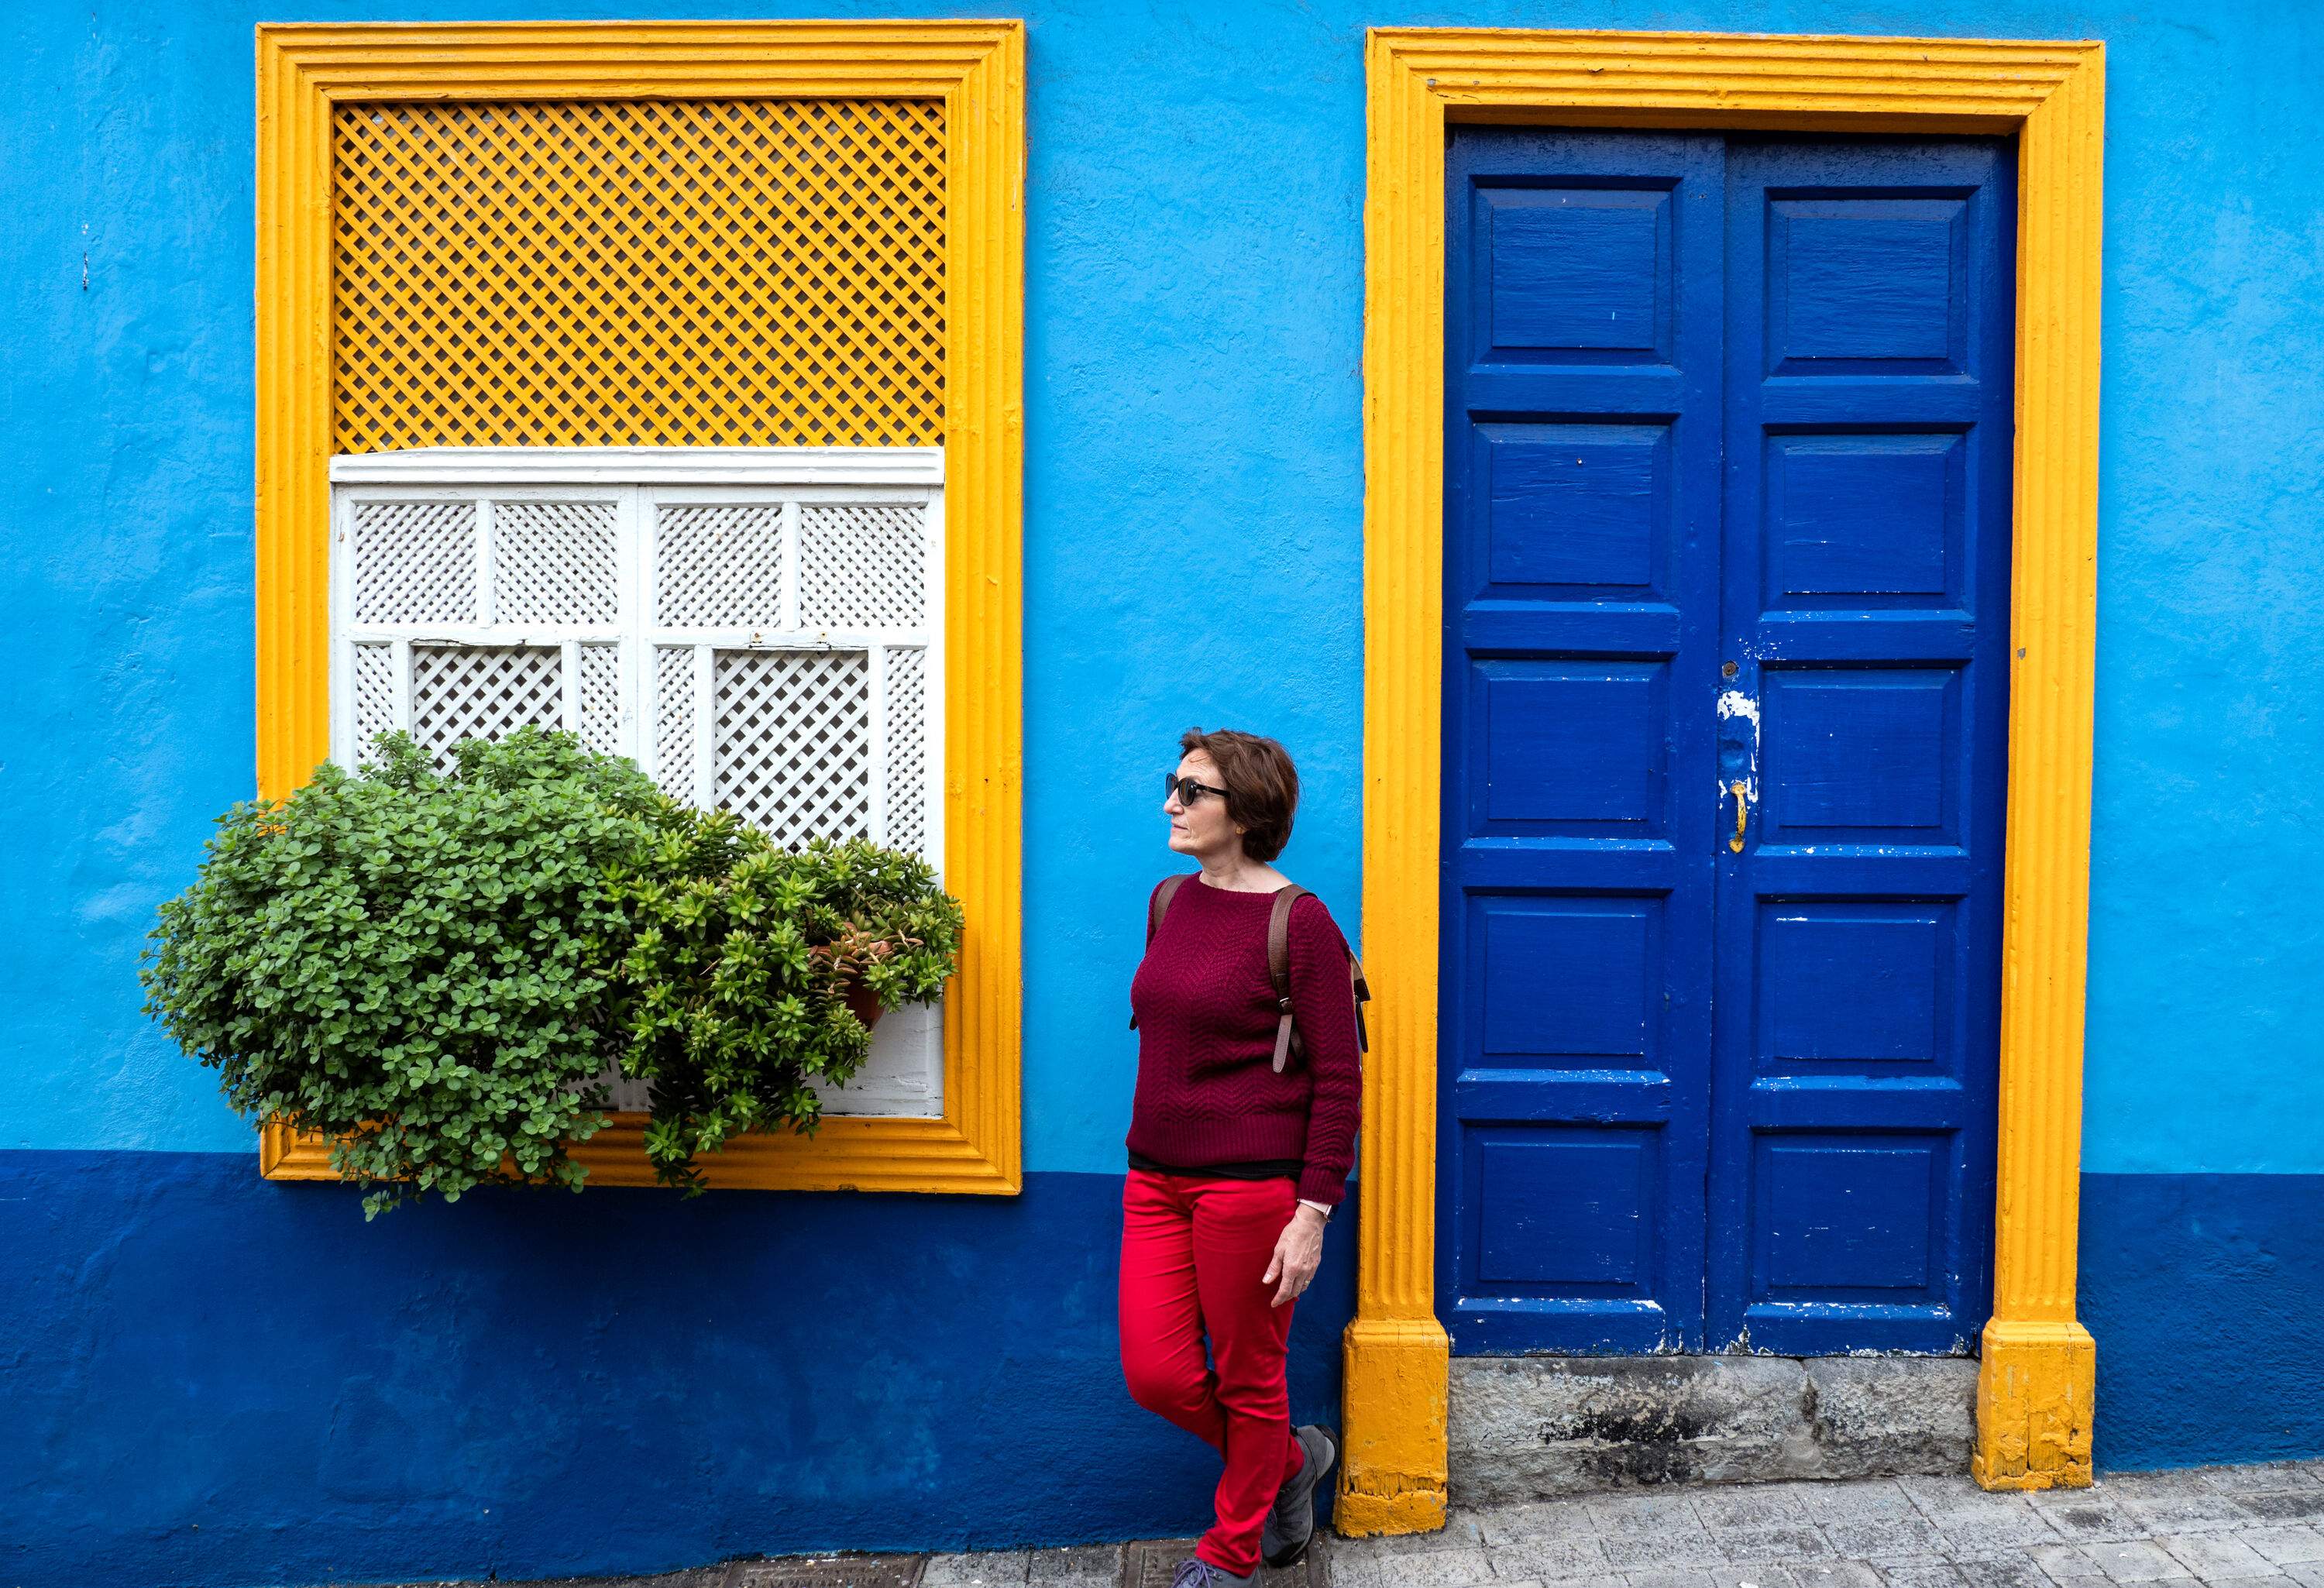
[
  {"x": 661, "y": 380},
  {"x": 751, "y": 625}
]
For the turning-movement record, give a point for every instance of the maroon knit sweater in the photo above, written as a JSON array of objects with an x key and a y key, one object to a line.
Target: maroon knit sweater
[{"x": 1207, "y": 1089}]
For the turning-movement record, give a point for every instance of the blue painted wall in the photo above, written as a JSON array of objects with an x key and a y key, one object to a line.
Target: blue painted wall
[{"x": 1193, "y": 555}]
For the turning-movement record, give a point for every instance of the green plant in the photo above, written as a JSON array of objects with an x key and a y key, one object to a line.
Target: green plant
[
  {"x": 414, "y": 964},
  {"x": 732, "y": 997},
  {"x": 433, "y": 970}
]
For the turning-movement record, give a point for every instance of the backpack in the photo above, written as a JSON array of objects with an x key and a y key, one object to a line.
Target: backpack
[{"x": 1288, "y": 1040}]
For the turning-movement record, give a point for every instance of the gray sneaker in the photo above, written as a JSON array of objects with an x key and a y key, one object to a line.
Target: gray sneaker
[
  {"x": 1291, "y": 1524},
  {"x": 1195, "y": 1571}
]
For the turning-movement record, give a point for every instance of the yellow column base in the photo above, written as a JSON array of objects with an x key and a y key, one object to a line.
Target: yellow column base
[
  {"x": 2035, "y": 1389},
  {"x": 1392, "y": 1473}
]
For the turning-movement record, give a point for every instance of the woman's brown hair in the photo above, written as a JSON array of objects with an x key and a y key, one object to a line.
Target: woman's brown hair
[{"x": 1262, "y": 785}]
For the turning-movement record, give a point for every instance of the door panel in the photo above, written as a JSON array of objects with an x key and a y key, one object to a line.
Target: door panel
[
  {"x": 1583, "y": 430},
  {"x": 1723, "y": 400},
  {"x": 1864, "y": 588}
]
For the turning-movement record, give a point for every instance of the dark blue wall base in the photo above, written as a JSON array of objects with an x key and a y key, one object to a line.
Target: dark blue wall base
[
  {"x": 2206, "y": 1294},
  {"x": 205, "y": 1379}
]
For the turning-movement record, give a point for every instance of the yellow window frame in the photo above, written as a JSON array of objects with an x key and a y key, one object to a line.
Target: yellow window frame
[
  {"x": 978, "y": 70},
  {"x": 2036, "y": 1381}
]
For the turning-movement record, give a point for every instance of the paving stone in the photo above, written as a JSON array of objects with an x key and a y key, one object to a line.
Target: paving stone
[
  {"x": 1927, "y": 1575},
  {"x": 2199, "y": 1510},
  {"x": 2286, "y": 1546},
  {"x": 1759, "y": 1574},
  {"x": 1576, "y": 1554},
  {"x": 2133, "y": 1560},
  {"x": 1772, "y": 1544},
  {"x": 1973, "y": 1521},
  {"x": 1944, "y": 1491},
  {"x": 2157, "y": 1485},
  {"x": 1638, "y": 1515},
  {"x": 1871, "y": 1500},
  {"x": 1548, "y": 1518},
  {"x": 1461, "y": 1531},
  {"x": 2002, "y": 1570},
  {"x": 1884, "y": 1535},
  {"x": 2064, "y": 1562},
  {"x": 1686, "y": 1577},
  {"x": 692, "y": 1577},
  {"x": 2307, "y": 1574},
  {"x": 2264, "y": 1474},
  {"x": 2218, "y": 1554},
  {"x": 1673, "y": 1546},
  {"x": 2002, "y": 1531},
  {"x": 2284, "y": 1505},
  {"x": 1835, "y": 1574},
  {"x": 1096, "y": 1565},
  {"x": 2081, "y": 1519},
  {"x": 995, "y": 1568},
  {"x": 1434, "y": 1568},
  {"x": 2013, "y": 1570},
  {"x": 1755, "y": 1505},
  {"x": 829, "y": 1571}
]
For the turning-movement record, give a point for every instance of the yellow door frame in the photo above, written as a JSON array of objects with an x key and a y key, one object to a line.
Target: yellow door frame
[{"x": 2035, "y": 1387}]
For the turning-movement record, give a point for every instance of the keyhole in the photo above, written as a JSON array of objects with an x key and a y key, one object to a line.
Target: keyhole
[{"x": 1726, "y": 669}]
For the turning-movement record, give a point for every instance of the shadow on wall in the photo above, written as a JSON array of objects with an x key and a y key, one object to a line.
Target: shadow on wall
[{"x": 213, "y": 1379}]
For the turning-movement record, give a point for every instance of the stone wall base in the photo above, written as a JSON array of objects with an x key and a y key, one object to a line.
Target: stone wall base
[{"x": 1535, "y": 1427}]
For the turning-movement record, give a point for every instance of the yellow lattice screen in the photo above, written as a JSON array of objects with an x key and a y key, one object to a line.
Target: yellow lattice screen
[{"x": 669, "y": 273}]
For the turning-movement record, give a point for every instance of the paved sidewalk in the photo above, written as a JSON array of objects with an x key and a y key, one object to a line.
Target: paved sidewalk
[
  {"x": 2251, "y": 1527},
  {"x": 2212, "y": 1525}
]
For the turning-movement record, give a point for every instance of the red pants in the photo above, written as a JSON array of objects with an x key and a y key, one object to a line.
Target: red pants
[{"x": 1192, "y": 1254}]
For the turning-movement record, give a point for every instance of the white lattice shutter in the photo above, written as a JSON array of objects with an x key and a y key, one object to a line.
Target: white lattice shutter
[
  {"x": 758, "y": 645},
  {"x": 789, "y": 640},
  {"x": 464, "y": 613}
]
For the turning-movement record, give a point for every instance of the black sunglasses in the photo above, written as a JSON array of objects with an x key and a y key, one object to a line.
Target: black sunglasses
[{"x": 1186, "y": 790}]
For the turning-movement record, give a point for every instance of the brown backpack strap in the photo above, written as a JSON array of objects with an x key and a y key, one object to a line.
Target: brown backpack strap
[
  {"x": 1156, "y": 912},
  {"x": 1278, "y": 969},
  {"x": 1161, "y": 905}
]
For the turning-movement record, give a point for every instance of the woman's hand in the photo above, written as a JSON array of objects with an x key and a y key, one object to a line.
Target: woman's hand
[{"x": 1298, "y": 1253}]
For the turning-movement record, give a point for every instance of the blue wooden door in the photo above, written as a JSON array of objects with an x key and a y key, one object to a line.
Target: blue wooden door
[{"x": 1727, "y": 472}]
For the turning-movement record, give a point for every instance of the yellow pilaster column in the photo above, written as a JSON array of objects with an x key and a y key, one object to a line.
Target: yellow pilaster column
[
  {"x": 1392, "y": 1478},
  {"x": 2036, "y": 1387}
]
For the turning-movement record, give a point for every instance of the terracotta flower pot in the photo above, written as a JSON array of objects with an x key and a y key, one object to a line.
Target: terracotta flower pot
[{"x": 864, "y": 1003}]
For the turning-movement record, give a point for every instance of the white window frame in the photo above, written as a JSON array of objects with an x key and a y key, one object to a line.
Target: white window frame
[{"x": 904, "y": 1074}]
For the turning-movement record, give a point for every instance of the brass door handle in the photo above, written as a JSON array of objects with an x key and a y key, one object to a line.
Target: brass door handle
[{"x": 1742, "y": 810}]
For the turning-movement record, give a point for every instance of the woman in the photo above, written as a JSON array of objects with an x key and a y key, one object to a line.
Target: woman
[{"x": 1235, "y": 1165}]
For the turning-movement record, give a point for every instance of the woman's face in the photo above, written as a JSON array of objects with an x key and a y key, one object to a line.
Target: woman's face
[{"x": 1202, "y": 829}]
